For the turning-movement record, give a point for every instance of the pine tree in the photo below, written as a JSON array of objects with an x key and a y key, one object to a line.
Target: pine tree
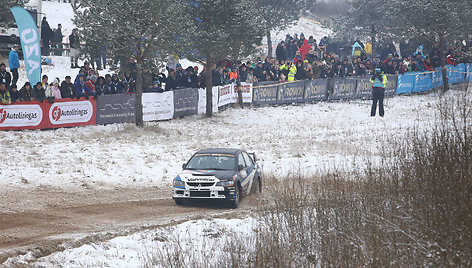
[
  {"x": 365, "y": 18},
  {"x": 276, "y": 14},
  {"x": 437, "y": 19},
  {"x": 146, "y": 30},
  {"x": 223, "y": 29}
]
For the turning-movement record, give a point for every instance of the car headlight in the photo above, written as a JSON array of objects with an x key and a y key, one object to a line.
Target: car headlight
[
  {"x": 178, "y": 182},
  {"x": 225, "y": 183}
]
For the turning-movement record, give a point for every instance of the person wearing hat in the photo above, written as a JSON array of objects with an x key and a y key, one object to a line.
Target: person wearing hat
[
  {"x": 56, "y": 92},
  {"x": 379, "y": 82},
  {"x": 14, "y": 63}
]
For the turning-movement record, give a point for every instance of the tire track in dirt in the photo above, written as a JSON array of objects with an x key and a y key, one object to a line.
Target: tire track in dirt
[{"x": 45, "y": 220}]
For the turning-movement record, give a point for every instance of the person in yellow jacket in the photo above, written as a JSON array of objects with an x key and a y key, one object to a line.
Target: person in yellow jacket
[
  {"x": 379, "y": 82},
  {"x": 292, "y": 70},
  {"x": 368, "y": 48}
]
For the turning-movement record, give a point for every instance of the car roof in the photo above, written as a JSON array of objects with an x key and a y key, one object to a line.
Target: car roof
[{"x": 219, "y": 151}]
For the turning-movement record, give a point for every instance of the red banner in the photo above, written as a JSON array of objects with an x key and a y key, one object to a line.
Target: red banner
[
  {"x": 41, "y": 115},
  {"x": 24, "y": 115},
  {"x": 70, "y": 113}
]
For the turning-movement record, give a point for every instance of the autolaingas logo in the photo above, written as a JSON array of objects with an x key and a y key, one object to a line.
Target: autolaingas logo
[
  {"x": 56, "y": 113},
  {"x": 3, "y": 115}
]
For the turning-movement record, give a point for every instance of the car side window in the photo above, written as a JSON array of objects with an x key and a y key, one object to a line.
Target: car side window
[
  {"x": 241, "y": 160},
  {"x": 248, "y": 159}
]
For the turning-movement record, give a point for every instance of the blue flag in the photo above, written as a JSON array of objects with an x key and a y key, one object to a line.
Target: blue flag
[{"x": 30, "y": 42}]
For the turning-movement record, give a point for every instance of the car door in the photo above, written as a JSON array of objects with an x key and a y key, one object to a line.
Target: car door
[
  {"x": 251, "y": 171},
  {"x": 243, "y": 172}
]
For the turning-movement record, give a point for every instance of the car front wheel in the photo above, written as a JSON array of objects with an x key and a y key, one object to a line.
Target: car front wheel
[{"x": 235, "y": 202}]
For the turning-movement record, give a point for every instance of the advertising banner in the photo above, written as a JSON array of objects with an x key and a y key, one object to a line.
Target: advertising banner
[
  {"x": 344, "y": 88},
  {"x": 70, "y": 113},
  {"x": 291, "y": 92},
  {"x": 437, "y": 78},
  {"x": 316, "y": 90},
  {"x": 30, "y": 42},
  {"x": 265, "y": 94},
  {"x": 423, "y": 82},
  {"x": 158, "y": 106},
  {"x": 364, "y": 89},
  {"x": 25, "y": 115},
  {"x": 405, "y": 83},
  {"x": 185, "y": 102},
  {"x": 391, "y": 87},
  {"x": 202, "y": 100},
  {"x": 246, "y": 89},
  {"x": 224, "y": 95},
  {"x": 116, "y": 108}
]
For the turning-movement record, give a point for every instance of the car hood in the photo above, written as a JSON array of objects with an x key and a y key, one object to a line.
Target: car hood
[{"x": 198, "y": 175}]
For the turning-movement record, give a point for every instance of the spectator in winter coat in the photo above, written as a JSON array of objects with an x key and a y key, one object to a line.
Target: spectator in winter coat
[
  {"x": 46, "y": 36},
  {"x": 55, "y": 89},
  {"x": 450, "y": 59},
  {"x": 116, "y": 87},
  {"x": 346, "y": 68},
  {"x": 280, "y": 51},
  {"x": 171, "y": 83},
  {"x": 304, "y": 49},
  {"x": 311, "y": 57},
  {"x": 388, "y": 68},
  {"x": 259, "y": 72},
  {"x": 292, "y": 50},
  {"x": 312, "y": 42},
  {"x": 357, "y": 49},
  {"x": 5, "y": 76},
  {"x": 386, "y": 51},
  {"x": 91, "y": 83},
  {"x": 46, "y": 87},
  {"x": 74, "y": 44},
  {"x": 38, "y": 92},
  {"x": 82, "y": 89},
  {"x": 15, "y": 94},
  {"x": 26, "y": 92},
  {"x": 243, "y": 72},
  {"x": 292, "y": 70},
  {"x": 323, "y": 45},
  {"x": 100, "y": 87},
  {"x": 67, "y": 88},
  {"x": 301, "y": 41},
  {"x": 300, "y": 73},
  {"x": 131, "y": 82},
  {"x": 419, "y": 63},
  {"x": 233, "y": 75},
  {"x": 14, "y": 63},
  {"x": 4, "y": 94}
]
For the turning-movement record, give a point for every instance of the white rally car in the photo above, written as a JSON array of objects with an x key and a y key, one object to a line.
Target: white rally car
[{"x": 222, "y": 174}]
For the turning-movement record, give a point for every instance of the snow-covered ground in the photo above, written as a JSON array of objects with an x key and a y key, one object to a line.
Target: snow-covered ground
[
  {"x": 205, "y": 238},
  {"x": 305, "y": 138}
]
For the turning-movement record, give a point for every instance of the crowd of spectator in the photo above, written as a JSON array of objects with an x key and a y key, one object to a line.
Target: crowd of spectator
[{"x": 297, "y": 58}]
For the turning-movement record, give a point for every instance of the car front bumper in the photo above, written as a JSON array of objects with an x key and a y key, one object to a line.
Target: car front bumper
[{"x": 213, "y": 192}]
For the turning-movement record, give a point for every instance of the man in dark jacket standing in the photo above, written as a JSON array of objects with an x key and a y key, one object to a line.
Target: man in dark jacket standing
[
  {"x": 74, "y": 48},
  {"x": 280, "y": 51},
  {"x": 46, "y": 35},
  {"x": 171, "y": 83}
]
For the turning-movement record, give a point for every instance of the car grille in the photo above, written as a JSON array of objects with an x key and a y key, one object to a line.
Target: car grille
[
  {"x": 200, "y": 184},
  {"x": 199, "y": 193}
]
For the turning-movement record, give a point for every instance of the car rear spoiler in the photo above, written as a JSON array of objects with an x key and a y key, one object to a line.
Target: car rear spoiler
[{"x": 253, "y": 155}]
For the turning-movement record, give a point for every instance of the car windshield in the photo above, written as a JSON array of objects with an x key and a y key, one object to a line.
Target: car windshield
[{"x": 212, "y": 162}]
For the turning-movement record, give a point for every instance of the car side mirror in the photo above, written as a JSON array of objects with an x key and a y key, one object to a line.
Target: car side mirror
[
  {"x": 184, "y": 166},
  {"x": 240, "y": 167}
]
